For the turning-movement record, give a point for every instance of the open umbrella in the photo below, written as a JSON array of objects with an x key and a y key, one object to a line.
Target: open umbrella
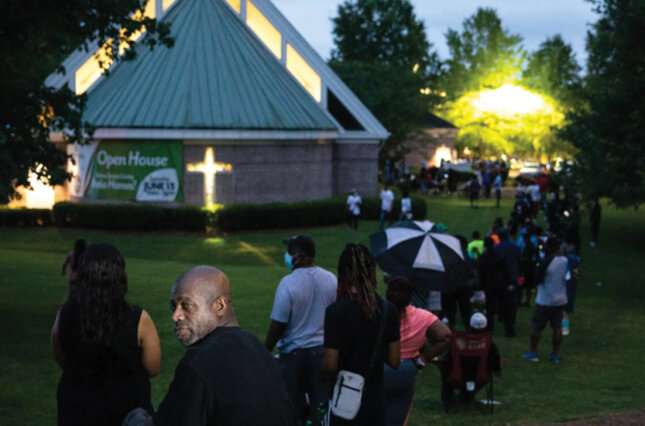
[{"x": 431, "y": 260}]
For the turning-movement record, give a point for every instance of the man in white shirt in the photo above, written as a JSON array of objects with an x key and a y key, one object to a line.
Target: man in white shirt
[
  {"x": 387, "y": 198},
  {"x": 550, "y": 301},
  {"x": 353, "y": 209},
  {"x": 536, "y": 197},
  {"x": 297, "y": 325}
]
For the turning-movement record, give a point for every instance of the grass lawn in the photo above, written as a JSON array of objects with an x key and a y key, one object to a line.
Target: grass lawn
[{"x": 601, "y": 369}]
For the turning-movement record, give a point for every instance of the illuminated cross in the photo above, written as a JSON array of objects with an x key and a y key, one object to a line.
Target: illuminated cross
[{"x": 209, "y": 168}]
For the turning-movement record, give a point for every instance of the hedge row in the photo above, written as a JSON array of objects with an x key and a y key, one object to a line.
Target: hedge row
[
  {"x": 234, "y": 217},
  {"x": 129, "y": 217},
  {"x": 23, "y": 217},
  {"x": 330, "y": 211}
]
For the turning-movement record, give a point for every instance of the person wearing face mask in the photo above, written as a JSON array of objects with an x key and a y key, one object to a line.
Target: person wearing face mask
[{"x": 297, "y": 325}]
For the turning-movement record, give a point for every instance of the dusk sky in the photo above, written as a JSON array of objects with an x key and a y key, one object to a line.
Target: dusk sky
[{"x": 534, "y": 20}]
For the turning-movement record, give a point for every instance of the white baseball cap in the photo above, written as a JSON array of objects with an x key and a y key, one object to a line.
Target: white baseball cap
[{"x": 478, "y": 321}]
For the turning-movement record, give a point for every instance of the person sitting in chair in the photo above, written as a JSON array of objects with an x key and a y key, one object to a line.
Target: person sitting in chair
[{"x": 478, "y": 357}]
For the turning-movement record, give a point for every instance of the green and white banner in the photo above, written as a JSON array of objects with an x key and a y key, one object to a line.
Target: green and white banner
[{"x": 136, "y": 171}]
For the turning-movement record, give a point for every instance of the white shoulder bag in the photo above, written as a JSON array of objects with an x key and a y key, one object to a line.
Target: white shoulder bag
[{"x": 348, "y": 391}]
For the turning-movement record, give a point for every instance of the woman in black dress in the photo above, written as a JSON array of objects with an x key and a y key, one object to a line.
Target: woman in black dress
[
  {"x": 352, "y": 326},
  {"x": 108, "y": 349}
]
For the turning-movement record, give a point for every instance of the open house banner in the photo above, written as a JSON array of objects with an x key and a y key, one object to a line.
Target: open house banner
[{"x": 136, "y": 171}]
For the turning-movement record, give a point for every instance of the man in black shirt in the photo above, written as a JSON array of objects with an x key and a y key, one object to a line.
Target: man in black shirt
[{"x": 226, "y": 377}]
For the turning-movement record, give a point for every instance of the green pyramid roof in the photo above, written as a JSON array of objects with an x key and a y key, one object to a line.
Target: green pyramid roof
[{"x": 217, "y": 76}]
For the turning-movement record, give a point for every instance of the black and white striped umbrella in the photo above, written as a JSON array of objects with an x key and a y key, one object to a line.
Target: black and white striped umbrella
[{"x": 428, "y": 258}]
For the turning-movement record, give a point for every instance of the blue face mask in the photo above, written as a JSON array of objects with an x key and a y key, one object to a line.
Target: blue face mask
[{"x": 288, "y": 260}]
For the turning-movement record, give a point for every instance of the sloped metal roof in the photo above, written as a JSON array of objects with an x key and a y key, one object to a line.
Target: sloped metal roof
[{"x": 217, "y": 76}]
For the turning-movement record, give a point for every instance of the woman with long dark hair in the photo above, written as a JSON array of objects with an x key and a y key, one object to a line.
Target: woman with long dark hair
[
  {"x": 423, "y": 336},
  {"x": 71, "y": 260},
  {"x": 353, "y": 338},
  {"x": 108, "y": 349}
]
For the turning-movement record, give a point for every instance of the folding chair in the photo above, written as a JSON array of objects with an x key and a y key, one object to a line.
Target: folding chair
[{"x": 467, "y": 369}]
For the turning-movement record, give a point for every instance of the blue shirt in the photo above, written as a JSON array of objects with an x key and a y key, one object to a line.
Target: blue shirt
[{"x": 300, "y": 302}]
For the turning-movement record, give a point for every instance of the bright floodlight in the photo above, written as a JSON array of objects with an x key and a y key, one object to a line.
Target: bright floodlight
[{"x": 509, "y": 101}]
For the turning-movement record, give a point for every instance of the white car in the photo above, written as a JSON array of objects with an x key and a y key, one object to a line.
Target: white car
[{"x": 531, "y": 169}]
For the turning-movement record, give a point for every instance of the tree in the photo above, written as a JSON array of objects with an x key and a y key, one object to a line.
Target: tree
[
  {"x": 383, "y": 54},
  {"x": 554, "y": 71},
  {"x": 35, "y": 36},
  {"x": 483, "y": 55},
  {"x": 609, "y": 130}
]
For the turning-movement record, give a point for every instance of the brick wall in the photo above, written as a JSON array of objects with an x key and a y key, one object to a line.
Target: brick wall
[{"x": 284, "y": 171}]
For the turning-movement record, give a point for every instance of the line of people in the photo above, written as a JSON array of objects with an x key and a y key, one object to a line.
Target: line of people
[{"x": 323, "y": 326}]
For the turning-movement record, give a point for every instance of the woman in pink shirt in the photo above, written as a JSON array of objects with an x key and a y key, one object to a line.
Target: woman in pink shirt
[{"x": 422, "y": 336}]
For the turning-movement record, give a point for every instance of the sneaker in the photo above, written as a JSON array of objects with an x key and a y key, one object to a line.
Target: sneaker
[
  {"x": 531, "y": 356},
  {"x": 554, "y": 358}
]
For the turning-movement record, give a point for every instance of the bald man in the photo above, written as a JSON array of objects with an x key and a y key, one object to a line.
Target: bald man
[{"x": 226, "y": 377}]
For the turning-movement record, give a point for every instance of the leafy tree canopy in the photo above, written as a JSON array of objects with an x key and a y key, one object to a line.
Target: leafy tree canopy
[
  {"x": 498, "y": 108},
  {"x": 383, "y": 54},
  {"x": 609, "y": 131},
  {"x": 35, "y": 36},
  {"x": 484, "y": 55},
  {"x": 554, "y": 71}
]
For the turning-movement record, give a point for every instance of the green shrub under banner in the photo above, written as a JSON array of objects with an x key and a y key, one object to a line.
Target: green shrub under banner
[
  {"x": 228, "y": 218},
  {"x": 129, "y": 217},
  {"x": 24, "y": 217}
]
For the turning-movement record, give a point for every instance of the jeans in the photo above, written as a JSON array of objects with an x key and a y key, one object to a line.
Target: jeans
[
  {"x": 301, "y": 371},
  {"x": 385, "y": 214}
]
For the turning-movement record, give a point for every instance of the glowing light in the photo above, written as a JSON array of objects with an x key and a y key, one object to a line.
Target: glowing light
[
  {"x": 209, "y": 168},
  {"x": 41, "y": 196},
  {"x": 509, "y": 100},
  {"x": 443, "y": 153},
  {"x": 165, "y": 4},
  {"x": 415, "y": 68},
  {"x": 263, "y": 29},
  {"x": 304, "y": 73},
  {"x": 91, "y": 70},
  {"x": 148, "y": 12},
  {"x": 235, "y": 4}
]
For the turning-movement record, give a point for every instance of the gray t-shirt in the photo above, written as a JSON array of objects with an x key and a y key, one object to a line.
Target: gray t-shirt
[
  {"x": 300, "y": 302},
  {"x": 553, "y": 291}
]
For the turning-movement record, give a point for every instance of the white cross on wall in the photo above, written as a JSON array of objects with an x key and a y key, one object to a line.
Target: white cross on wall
[{"x": 209, "y": 168}]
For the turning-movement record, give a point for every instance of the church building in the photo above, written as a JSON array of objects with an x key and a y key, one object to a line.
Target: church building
[{"x": 240, "y": 109}]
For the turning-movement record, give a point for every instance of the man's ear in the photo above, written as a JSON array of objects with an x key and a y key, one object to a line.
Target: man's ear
[{"x": 220, "y": 306}]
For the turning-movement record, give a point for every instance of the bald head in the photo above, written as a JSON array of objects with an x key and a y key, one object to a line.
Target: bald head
[
  {"x": 208, "y": 281},
  {"x": 201, "y": 301}
]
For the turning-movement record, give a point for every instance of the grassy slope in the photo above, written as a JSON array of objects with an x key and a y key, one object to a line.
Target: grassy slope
[{"x": 600, "y": 371}]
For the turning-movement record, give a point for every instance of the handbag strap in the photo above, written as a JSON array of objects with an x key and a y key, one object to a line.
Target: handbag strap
[{"x": 379, "y": 338}]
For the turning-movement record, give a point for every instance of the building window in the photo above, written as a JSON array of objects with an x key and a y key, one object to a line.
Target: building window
[
  {"x": 91, "y": 70},
  {"x": 165, "y": 4},
  {"x": 235, "y": 4},
  {"x": 304, "y": 73},
  {"x": 341, "y": 114},
  {"x": 263, "y": 29},
  {"x": 148, "y": 12}
]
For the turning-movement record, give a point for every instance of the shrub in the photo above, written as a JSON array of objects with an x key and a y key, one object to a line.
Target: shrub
[
  {"x": 330, "y": 211},
  {"x": 24, "y": 217},
  {"x": 129, "y": 217},
  {"x": 228, "y": 218}
]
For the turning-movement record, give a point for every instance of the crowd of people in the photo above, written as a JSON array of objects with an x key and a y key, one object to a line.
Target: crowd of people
[
  {"x": 345, "y": 355},
  {"x": 327, "y": 328}
]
